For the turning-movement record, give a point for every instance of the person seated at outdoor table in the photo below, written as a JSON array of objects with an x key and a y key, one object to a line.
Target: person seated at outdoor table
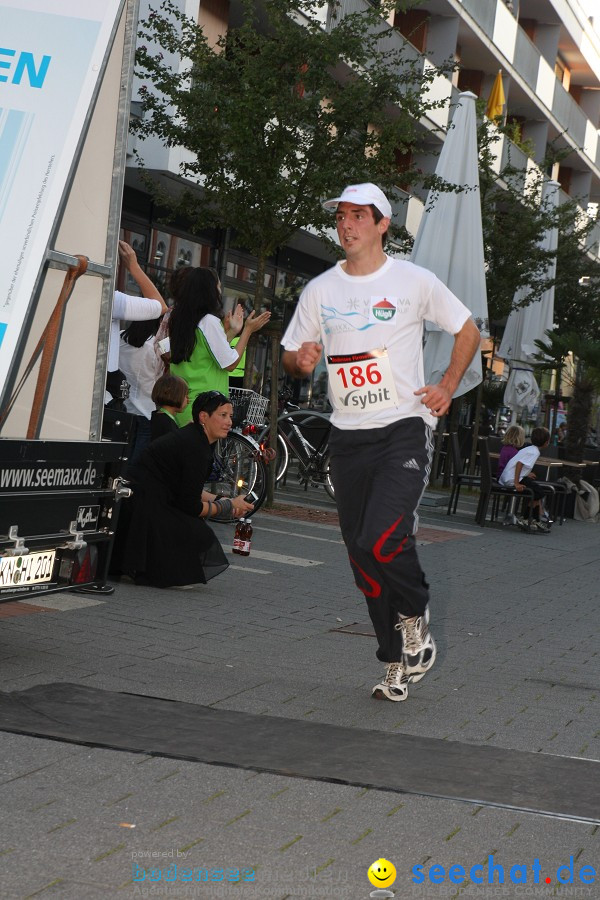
[
  {"x": 518, "y": 474},
  {"x": 513, "y": 440},
  {"x": 170, "y": 395},
  {"x": 168, "y": 541},
  {"x": 561, "y": 434}
]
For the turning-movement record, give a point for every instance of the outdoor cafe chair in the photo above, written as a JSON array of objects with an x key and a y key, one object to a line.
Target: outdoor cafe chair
[
  {"x": 458, "y": 476},
  {"x": 556, "y": 491}
]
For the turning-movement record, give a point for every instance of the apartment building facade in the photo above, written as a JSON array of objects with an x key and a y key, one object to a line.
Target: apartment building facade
[{"x": 549, "y": 54}]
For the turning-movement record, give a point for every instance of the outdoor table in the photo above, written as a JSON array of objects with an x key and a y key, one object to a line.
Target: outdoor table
[
  {"x": 548, "y": 463},
  {"x": 590, "y": 463},
  {"x": 571, "y": 464}
]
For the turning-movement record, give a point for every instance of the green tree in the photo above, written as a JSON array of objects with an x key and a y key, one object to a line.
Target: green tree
[
  {"x": 514, "y": 223},
  {"x": 274, "y": 118},
  {"x": 280, "y": 112},
  {"x": 577, "y": 288}
]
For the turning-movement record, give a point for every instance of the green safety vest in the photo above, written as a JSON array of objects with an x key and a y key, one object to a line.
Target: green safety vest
[{"x": 202, "y": 373}]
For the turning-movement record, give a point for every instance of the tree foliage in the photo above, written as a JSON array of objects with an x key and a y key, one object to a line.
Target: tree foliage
[
  {"x": 514, "y": 223},
  {"x": 554, "y": 351},
  {"x": 576, "y": 307},
  {"x": 281, "y": 112}
]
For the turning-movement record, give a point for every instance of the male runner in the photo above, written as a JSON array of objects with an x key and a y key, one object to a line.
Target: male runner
[{"x": 368, "y": 313}]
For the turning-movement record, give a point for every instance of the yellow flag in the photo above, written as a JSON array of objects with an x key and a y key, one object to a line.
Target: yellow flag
[{"x": 496, "y": 101}]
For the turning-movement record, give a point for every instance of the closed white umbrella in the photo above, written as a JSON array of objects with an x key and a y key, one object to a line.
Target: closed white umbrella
[
  {"x": 449, "y": 242},
  {"x": 528, "y": 324}
]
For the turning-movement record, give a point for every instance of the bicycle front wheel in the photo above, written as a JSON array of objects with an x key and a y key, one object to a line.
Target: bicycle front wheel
[{"x": 238, "y": 469}]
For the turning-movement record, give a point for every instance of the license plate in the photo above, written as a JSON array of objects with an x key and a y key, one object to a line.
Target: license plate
[{"x": 33, "y": 568}]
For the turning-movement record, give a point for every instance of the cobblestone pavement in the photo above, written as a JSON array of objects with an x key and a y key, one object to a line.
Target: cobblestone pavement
[{"x": 516, "y": 621}]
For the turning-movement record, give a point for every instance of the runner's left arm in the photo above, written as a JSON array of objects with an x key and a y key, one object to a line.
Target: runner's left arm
[{"x": 438, "y": 397}]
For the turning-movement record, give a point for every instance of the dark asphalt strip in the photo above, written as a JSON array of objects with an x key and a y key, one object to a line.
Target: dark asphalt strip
[{"x": 533, "y": 782}]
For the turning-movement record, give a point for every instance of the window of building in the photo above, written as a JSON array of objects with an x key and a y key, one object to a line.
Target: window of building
[
  {"x": 404, "y": 161},
  {"x": 241, "y": 271},
  {"x": 139, "y": 241},
  {"x": 159, "y": 253},
  {"x": 412, "y": 25},
  {"x": 563, "y": 73},
  {"x": 470, "y": 80}
]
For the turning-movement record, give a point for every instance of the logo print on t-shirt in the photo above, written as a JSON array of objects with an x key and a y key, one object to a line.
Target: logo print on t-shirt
[{"x": 384, "y": 309}]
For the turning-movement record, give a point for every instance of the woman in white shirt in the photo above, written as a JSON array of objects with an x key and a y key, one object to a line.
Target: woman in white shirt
[
  {"x": 129, "y": 308},
  {"x": 141, "y": 368}
]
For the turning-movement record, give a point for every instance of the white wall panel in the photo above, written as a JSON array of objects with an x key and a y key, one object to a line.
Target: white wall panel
[
  {"x": 505, "y": 31},
  {"x": 546, "y": 84}
]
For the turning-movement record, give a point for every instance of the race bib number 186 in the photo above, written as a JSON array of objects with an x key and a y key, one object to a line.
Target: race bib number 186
[{"x": 361, "y": 382}]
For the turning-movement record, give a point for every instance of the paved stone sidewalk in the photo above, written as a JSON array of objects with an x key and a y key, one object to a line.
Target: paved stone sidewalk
[{"x": 516, "y": 622}]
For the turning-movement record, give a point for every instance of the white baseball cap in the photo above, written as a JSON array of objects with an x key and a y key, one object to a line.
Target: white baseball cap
[{"x": 362, "y": 195}]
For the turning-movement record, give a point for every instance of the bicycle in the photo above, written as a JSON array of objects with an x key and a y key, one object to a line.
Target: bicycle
[
  {"x": 239, "y": 461},
  {"x": 304, "y": 435}
]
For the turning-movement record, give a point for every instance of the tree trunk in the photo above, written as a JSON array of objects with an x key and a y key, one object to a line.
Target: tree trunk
[
  {"x": 476, "y": 422},
  {"x": 259, "y": 293},
  {"x": 451, "y": 425},
  {"x": 580, "y": 409},
  {"x": 273, "y": 415},
  {"x": 439, "y": 440}
]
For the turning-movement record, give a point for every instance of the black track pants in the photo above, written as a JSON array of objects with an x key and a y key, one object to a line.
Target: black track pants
[{"x": 379, "y": 476}]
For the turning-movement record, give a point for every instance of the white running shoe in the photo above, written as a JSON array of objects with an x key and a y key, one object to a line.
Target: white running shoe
[
  {"x": 395, "y": 684},
  {"x": 419, "y": 650}
]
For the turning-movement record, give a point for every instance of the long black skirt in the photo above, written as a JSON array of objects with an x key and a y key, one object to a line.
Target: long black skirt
[{"x": 161, "y": 545}]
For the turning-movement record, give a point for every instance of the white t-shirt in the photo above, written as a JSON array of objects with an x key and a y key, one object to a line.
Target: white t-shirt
[
  {"x": 141, "y": 367},
  {"x": 344, "y": 313},
  {"x": 130, "y": 309},
  {"x": 527, "y": 456},
  {"x": 212, "y": 329}
]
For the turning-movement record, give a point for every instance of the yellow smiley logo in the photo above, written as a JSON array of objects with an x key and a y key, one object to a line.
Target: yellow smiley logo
[{"x": 381, "y": 873}]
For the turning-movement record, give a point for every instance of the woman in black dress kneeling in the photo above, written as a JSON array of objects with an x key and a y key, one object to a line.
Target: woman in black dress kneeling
[{"x": 168, "y": 541}]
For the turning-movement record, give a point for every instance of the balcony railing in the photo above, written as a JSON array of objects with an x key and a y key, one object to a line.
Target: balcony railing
[
  {"x": 526, "y": 62},
  {"x": 392, "y": 41},
  {"x": 570, "y": 115},
  {"x": 527, "y": 59},
  {"x": 483, "y": 12}
]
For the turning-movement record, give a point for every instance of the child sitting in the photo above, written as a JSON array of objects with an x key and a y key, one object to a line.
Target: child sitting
[
  {"x": 518, "y": 474},
  {"x": 513, "y": 440},
  {"x": 171, "y": 396}
]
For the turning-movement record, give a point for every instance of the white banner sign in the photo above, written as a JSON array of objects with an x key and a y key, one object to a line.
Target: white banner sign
[{"x": 50, "y": 61}]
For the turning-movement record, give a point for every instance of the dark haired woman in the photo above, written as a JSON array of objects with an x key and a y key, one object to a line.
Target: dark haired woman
[
  {"x": 170, "y": 395},
  {"x": 200, "y": 351},
  {"x": 168, "y": 541}
]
